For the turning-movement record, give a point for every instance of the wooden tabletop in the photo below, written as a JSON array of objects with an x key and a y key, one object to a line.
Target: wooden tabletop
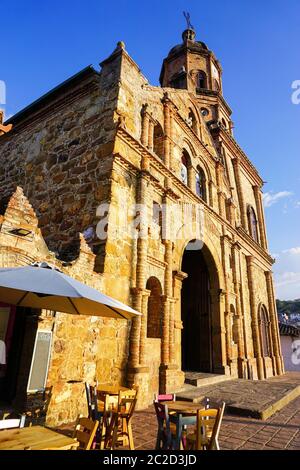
[
  {"x": 35, "y": 438},
  {"x": 111, "y": 389},
  {"x": 183, "y": 407}
]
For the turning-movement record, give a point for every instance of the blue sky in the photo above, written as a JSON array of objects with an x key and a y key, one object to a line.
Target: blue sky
[{"x": 256, "y": 41}]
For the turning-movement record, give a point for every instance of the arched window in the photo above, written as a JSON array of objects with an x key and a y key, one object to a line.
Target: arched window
[
  {"x": 252, "y": 223},
  {"x": 154, "y": 318},
  {"x": 158, "y": 141},
  {"x": 201, "y": 184},
  {"x": 202, "y": 79},
  {"x": 184, "y": 167},
  {"x": 193, "y": 121},
  {"x": 157, "y": 217},
  {"x": 264, "y": 331}
]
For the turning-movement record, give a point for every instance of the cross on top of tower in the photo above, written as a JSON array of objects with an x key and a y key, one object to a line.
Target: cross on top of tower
[{"x": 187, "y": 16}]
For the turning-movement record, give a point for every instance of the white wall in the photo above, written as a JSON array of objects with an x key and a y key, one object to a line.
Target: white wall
[{"x": 291, "y": 352}]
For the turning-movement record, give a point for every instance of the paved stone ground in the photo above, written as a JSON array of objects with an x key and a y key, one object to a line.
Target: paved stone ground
[
  {"x": 259, "y": 399},
  {"x": 281, "y": 431},
  {"x": 278, "y": 432}
]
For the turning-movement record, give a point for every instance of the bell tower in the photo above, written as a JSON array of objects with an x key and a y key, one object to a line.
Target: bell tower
[{"x": 192, "y": 66}]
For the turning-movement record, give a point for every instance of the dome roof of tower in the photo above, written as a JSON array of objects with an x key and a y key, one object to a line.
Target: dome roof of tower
[{"x": 196, "y": 46}]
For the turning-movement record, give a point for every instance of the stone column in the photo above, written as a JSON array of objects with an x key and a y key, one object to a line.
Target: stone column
[
  {"x": 143, "y": 329},
  {"x": 142, "y": 242},
  {"x": 145, "y": 126},
  {"x": 274, "y": 324},
  {"x": 218, "y": 332},
  {"x": 134, "y": 344},
  {"x": 167, "y": 130},
  {"x": 171, "y": 144},
  {"x": 166, "y": 302},
  {"x": 178, "y": 278},
  {"x": 191, "y": 177},
  {"x": 221, "y": 195},
  {"x": 151, "y": 134},
  {"x": 231, "y": 209},
  {"x": 136, "y": 373},
  {"x": 165, "y": 331},
  {"x": 228, "y": 337},
  {"x": 210, "y": 193},
  {"x": 260, "y": 216},
  {"x": 237, "y": 175},
  {"x": 239, "y": 313},
  {"x": 254, "y": 319},
  {"x": 172, "y": 332}
]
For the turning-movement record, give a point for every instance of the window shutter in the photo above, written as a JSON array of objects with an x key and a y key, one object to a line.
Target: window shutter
[{"x": 40, "y": 361}]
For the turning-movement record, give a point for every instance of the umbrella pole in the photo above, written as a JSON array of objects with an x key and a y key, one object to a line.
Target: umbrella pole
[
  {"x": 22, "y": 298},
  {"x": 116, "y": 311},
  {"x": 73, "y": 305}
]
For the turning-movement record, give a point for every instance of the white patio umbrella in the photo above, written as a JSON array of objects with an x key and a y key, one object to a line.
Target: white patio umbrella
[{"x": 43, "y": 287}]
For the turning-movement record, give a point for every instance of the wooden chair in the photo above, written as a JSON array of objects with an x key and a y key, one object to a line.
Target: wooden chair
[
  {"x": 120, "y": 429},
  {"x": 85, "y": 432},
  {"x": 12, "y": 423},
  {"x": 166, "y": 427},
  {"x": 164, "y": 433},
  {"x": 95, "y": 406},
  {"x": 206, "y": 435},
  {"x": 37, "y": 405},
  {"x": 165, "y": 397},
  {"x": 110, "y": 405}
]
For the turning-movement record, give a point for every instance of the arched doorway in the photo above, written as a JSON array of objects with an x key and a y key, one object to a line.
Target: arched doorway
[{"x": 197, "y": 312}]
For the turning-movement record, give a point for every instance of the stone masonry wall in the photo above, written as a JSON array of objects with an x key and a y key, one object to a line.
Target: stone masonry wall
[
  {"x": 60, "y": 156},
  {"x": 84, "y": 348}
]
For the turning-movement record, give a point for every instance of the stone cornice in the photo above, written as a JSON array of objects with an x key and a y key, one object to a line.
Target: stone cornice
[
  {"x": 214, "y": 94},
  {"x": 194, "y": 137},
  {"x": 244, "y": 235},
  {"x": 138, "y": 172},
  {"x": 156, "y": 262},
  {"x": 245, "y": 162},
  {"x": 126, "y": 164}
]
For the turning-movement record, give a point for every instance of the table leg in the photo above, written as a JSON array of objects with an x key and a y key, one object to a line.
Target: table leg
[{"x": 178, "y": 432}]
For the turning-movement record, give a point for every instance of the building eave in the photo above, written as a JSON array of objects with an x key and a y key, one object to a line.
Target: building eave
[{"x": 51, "y": 95}]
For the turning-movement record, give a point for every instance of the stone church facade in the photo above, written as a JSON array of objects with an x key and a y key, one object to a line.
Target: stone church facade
[{"x": 173, "y": 222}]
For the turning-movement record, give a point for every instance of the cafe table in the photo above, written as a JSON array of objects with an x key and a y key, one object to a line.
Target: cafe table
[
  {"x": 111, "y": 389},
  {"x": 184, "y": 413},
  {"x": 35, "y": 438}
]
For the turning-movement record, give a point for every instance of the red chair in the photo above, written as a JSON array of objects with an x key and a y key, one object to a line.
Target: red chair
[{"x": 164, "y": 397}]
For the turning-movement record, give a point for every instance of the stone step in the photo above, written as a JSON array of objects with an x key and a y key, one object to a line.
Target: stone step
[
  {"x": 199, "y": 379},
  {"x": 258, "y": 399}
]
